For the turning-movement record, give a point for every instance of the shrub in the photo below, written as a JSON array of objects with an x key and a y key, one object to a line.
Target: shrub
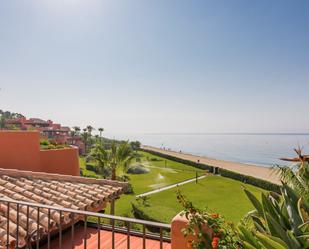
[
  {"x": 250, "y": 180},
  {"x": 210, "y": 230},
  {"x": 126, "y": 178},
  {"x": 180, "y": 160},
  {"x": 279, "y": 223},
  {"x": 92, "y": 168},
  {"x": 44, "y": 142},
  {"x": 138, "y": 213},
  {"x": 137, "y": 169}
]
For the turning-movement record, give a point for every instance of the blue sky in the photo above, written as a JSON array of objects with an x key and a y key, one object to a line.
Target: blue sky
[{"x": 158, "y": 66}]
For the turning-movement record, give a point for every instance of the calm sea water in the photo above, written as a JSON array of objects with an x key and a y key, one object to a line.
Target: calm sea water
[{"x": 259, "y": 149}]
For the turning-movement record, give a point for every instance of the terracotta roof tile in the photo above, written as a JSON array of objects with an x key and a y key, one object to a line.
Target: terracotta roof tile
[{"x": 49, "y": 189}]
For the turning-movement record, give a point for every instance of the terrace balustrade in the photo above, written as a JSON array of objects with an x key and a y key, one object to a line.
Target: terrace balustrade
[{"x": 31, "y": 225}]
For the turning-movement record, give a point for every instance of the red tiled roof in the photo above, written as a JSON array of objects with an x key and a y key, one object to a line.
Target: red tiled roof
[
  {"x": 36, "y": 121},
  {"x": 49, "y": 189}
]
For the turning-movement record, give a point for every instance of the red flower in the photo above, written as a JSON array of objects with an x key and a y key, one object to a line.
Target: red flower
[
  {"x": 215, "y": 216},
  {"x": 214, "y": 242}
]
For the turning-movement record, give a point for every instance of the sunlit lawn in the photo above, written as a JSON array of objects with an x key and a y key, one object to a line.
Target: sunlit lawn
[
  {"x": 218, "y": 194},
  {"x": 221, "y": 194}
]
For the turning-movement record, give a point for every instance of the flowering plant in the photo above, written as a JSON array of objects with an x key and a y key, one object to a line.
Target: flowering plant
[{"x": 210, "y": 230}]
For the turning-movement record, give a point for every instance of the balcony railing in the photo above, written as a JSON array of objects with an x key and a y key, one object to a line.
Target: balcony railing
[{"x": 19, "y": 214}]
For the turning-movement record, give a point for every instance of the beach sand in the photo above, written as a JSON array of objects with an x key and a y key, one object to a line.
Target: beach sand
[{"x": 245, "y": 169}]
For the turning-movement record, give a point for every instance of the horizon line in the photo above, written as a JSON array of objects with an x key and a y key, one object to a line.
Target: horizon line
[{"x": 226, "y": 133}]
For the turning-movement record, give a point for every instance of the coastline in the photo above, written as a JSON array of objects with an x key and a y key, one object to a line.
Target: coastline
[{"x": 260, "y": 172}]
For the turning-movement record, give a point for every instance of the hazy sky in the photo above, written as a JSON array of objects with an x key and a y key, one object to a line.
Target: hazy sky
[{"x": 158, "y": 66}]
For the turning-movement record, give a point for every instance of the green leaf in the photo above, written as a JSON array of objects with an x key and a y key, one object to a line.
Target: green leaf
[
  {"x": 270, "y": 243},
  {"x": 271, "y": 209},
  {"x": 246, "y": 245},
  {"x": 258, "y": 227},
  {"x": 258, "y": 221},
  {"x": 304, "y": 227},
  {"x": 279, "y": 231},
  {"x": 295, "y": 219},
  {"x": 255, "y": 202},
  {"x": 278, "y": 240},
  {"x": 294, "y": 242},
  {"x": 248, "y": 236},
  {"x": 302, "y": 213}
]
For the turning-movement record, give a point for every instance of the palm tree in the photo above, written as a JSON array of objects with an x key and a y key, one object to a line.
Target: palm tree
[
  {"x": 301, "y": 159},
  {"x": 90, "y": 129},
  {"x": 119, "y": 155},
  {"x": 85, "y": 138},
  {"x": 77, "y": 130},
  {"x": 101, "y": 131},
  {"x": 2, "y": 121},
  {"x": 99, "y": 155},
  {"x": 297, "y": 175}
]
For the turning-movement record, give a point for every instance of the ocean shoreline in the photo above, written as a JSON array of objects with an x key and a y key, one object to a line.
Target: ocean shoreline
[{"x": 261, "y": 172}]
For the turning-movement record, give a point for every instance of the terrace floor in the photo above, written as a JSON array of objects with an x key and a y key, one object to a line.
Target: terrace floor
[{"x": 105, "y": 240}]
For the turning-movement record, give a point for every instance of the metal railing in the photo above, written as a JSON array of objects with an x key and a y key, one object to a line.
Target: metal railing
[{"x": 22, "y": 214}]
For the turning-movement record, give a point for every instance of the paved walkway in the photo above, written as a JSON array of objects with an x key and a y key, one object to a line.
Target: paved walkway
[{"x": 170, "y": 186}]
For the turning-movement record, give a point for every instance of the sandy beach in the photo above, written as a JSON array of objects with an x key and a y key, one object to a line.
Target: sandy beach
[{"x": 246, "y": 169}]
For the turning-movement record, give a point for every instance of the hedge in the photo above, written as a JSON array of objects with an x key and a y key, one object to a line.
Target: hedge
[
  {"x": 140, "y": 214},
  {"x": 250, "y": 180},
  {"x": 223, "y": 172},
  {"x": 92, "y": 168},
  {"x": 180, "y": 160}
]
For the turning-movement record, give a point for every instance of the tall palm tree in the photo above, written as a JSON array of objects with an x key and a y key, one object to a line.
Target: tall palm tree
[
  {"x": 77, "y": 130},
  {"x": 90, "y": 129},
  {"x": 72, "y": 133},
  {"x": 119, "y": 155},
  {"x": 85, "y": 138},
  {"x": 101, "y": 131}
]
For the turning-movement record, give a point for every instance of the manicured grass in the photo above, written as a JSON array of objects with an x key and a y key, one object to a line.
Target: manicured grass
[
  {"x": 219, "y": 194},
  {"x": 162, "y": 173},
  {"x": 216, "y": 193},
  {"x": 85, "y": 172}
]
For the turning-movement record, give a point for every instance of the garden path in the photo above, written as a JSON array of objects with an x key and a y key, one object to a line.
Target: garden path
[{"x": 170, "y": 186}]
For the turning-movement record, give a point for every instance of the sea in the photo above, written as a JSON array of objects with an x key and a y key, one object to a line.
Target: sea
[{"x": 250, "y": 148}]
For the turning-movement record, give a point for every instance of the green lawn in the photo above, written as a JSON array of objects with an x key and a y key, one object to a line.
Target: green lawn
[
  {"x": 85, "y": 172},
  {"x": 217, "y": 194},
  {"x": 220, "y": 194}
]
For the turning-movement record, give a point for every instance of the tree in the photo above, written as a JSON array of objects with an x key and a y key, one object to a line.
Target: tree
[
  {"x": 135, "y": 145},
  {"x": 90, "y": 129},
  {"x": 100, "y": 156},
  {"x": 120, "y": 154},
  {"x": 2, "y": 122},
  {"x": 297, "y": 175},
  {"x": 101, "y": 131},
  {"x": 85, "y": 138},
  {"x": 77, "y": 130}
]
